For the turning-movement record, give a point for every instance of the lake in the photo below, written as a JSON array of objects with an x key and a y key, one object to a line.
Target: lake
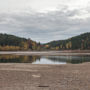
[{"x": 44, "y": 59}]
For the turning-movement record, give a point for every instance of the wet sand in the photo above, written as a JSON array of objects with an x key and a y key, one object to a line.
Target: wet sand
[{"x": 44, "y": 77}]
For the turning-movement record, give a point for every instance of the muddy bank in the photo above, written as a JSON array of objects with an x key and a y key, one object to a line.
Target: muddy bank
[{"x": 44, "y": 77}]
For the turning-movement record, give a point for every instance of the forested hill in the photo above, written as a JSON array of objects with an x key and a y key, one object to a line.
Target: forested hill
[
  {"x": 11, "y": 42},
  {"x": 78, "y": 42}
]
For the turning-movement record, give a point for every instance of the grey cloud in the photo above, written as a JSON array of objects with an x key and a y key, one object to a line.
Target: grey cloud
[{"x": 44, "y": 27}]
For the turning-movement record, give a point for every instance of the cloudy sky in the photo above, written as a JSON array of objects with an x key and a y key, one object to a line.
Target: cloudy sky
[{"x": 45, "y": 20}]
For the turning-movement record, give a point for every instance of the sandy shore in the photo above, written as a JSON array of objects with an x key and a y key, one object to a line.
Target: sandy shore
[
  {"x": 44, "y": 77},
  {"x": 43, "y": 53}
]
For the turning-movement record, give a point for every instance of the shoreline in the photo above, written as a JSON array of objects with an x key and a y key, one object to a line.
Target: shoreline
[
  {"x": 47, "y": 53},
  {"x": 44, "y": 77}
]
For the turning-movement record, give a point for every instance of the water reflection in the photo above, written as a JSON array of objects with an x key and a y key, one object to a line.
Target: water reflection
[
  {"x": 18, "y": 59},
  {"x": 70, "y": 59},
  {"x": 44, "y": 59}
]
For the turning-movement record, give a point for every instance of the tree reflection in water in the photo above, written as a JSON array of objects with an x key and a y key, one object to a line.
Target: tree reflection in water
[
  {"x": 18, "y": 59},
  {"x": 69, "y": 59},
  {"x": 51, "y": 59}
]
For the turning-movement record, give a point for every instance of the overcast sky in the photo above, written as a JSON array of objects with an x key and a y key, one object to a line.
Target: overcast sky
[{"x": 45, "y": 20}]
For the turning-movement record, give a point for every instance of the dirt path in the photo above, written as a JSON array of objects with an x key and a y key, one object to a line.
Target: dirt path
[{"x": 44, "y": 77}]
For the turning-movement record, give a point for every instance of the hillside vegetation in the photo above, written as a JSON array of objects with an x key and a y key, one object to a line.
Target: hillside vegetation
[
  {"x": 78, "y": 42},
  {"x": 13, "y": 43}
]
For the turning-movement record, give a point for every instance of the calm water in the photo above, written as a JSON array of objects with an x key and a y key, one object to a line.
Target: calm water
[{"x": 44, "y": 59}]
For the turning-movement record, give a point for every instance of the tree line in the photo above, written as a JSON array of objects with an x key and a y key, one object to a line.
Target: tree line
[
  {"x": 81, "y": 42},
  {"x": 14, "y": 43}
]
